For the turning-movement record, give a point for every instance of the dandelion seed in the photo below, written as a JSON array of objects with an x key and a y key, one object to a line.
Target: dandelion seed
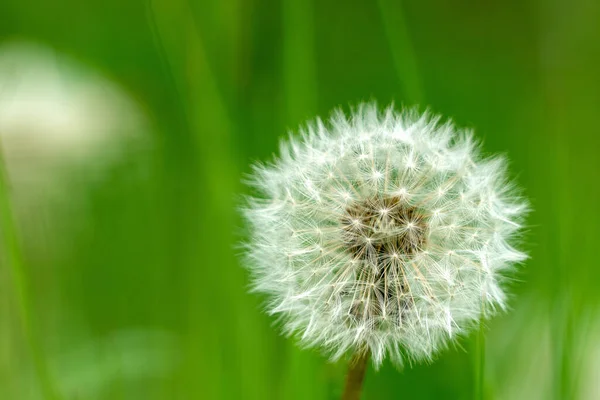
[{"x": 394, "y": 246}]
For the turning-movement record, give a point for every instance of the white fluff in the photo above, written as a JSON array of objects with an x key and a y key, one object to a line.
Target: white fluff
[{"x": 382, "y": 232}]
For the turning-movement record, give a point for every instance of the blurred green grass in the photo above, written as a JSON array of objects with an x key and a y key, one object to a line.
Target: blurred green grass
[{"x": 221, "y": 82}]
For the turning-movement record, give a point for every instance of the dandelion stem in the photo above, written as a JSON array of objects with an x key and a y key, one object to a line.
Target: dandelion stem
[
  {"x": 479, "y": 378},
  {"x": 14, "y": 259},
  {"x": 356, "y": 376}
]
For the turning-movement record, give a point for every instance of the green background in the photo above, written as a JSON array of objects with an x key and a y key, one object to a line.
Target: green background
[{"x": 151, "y": 278}]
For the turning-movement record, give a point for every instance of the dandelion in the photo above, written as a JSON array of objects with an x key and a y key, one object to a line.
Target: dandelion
[
  {"x": 57, "y": 115},
  {"x": 382, "y": 234},
  {"x": 62, "y": 128}
]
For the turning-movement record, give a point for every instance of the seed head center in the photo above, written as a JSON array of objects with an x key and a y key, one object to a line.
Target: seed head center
[{"x": 383, "y": 227}]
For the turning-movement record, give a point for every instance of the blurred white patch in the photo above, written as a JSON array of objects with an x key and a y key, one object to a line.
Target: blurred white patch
[
  {"x": 586, "y": 372},
  {"x": 129, "y": 357},
  {"x": 522, "y": 353},
  {"x": 519, "y": 353},
  {"x": 62, "y": 126},
  {"x": 128, "y": 360},
  {"x": 56, "y": 114}
]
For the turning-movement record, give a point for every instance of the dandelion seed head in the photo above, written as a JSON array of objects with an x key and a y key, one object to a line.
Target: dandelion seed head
[{"x": 382, "y": 231}]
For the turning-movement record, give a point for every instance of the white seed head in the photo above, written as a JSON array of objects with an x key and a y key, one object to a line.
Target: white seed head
[{"x": 382, "y": 232}]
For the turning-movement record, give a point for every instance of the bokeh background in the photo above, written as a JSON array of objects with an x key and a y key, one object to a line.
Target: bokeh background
[{"x": 127, "y": 128}]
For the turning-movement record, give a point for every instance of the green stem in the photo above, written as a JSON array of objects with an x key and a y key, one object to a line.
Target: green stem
[
  {"x": 356, "y": 376},
  {"x": 14, "y": 259}
]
